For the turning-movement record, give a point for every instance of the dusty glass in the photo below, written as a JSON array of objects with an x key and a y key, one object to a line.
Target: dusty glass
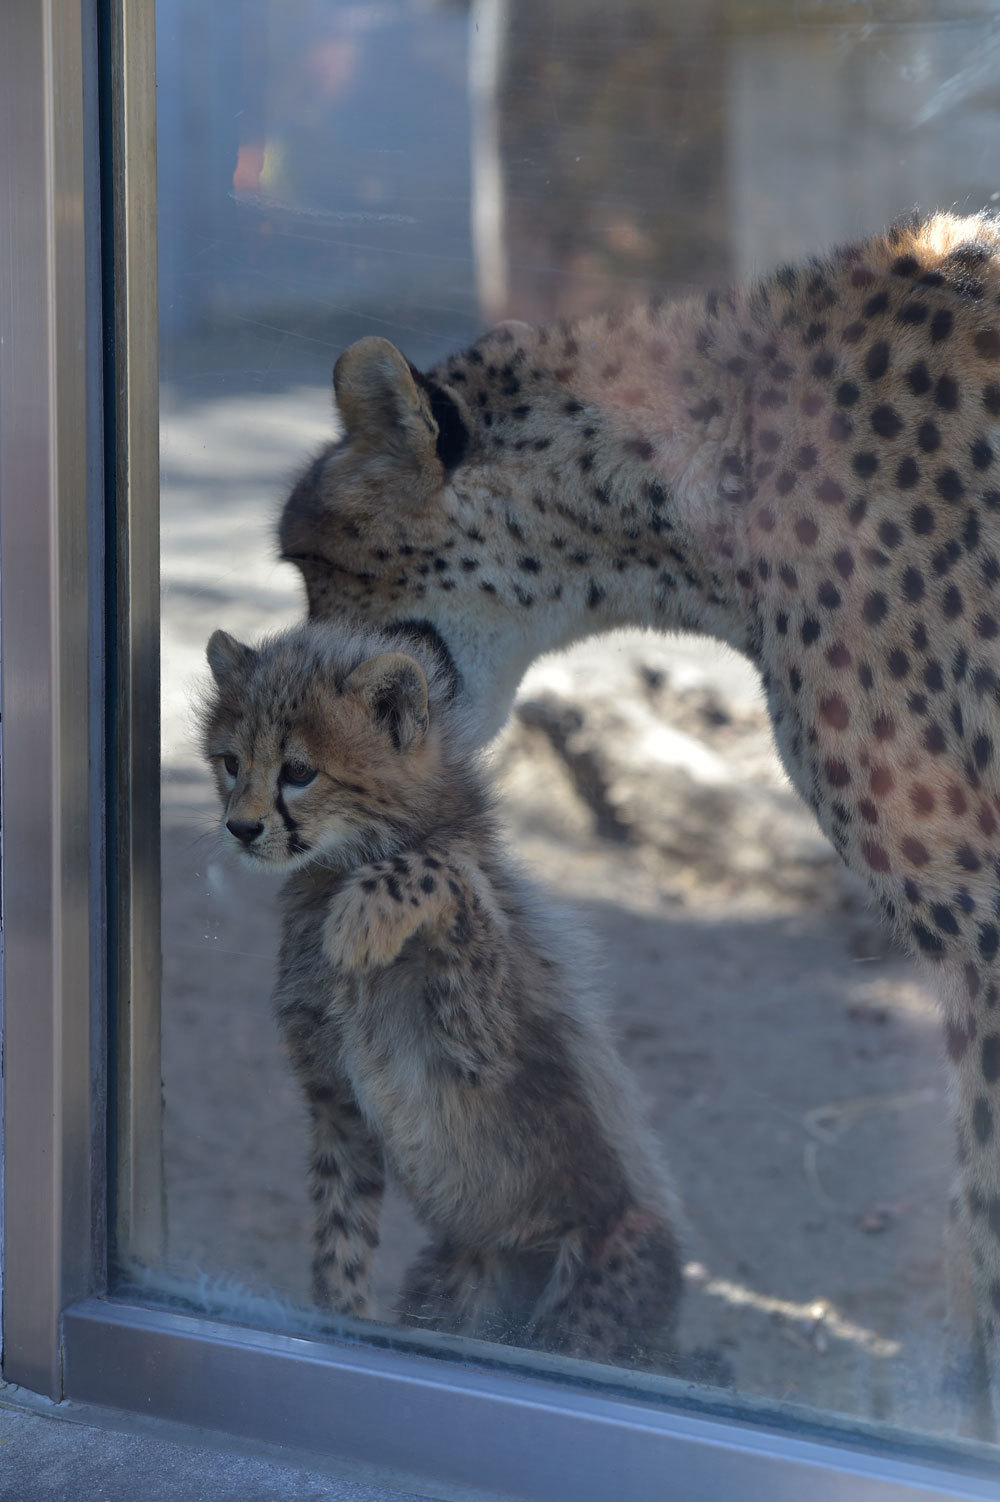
[{"x": 420, "y": 171}]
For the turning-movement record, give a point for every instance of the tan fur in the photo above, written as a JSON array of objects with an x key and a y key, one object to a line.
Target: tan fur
[
  {"x": 806, "y": 469},
  {"x": 436, "y": 1011}
]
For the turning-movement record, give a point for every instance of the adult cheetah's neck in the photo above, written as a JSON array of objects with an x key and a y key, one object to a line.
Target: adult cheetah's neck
[
  {"x": 681, "y": 465},
  {"x": 607, "y": 456}
]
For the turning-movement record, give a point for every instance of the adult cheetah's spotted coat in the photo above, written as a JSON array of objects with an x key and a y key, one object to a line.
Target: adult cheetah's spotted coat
[{"x": 808, "y": 469}]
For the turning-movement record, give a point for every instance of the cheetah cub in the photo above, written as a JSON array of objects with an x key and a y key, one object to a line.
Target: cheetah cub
[{"x": 438, "y": 1014}]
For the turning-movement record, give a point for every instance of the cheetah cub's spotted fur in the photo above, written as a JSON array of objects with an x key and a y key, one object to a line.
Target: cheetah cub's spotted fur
[
  {"x": 807, "y": 469},
  {"x": 437, "y": 1013}
]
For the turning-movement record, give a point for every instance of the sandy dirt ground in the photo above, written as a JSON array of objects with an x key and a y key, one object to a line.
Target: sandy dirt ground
[{"x": 790, "y": 1059}]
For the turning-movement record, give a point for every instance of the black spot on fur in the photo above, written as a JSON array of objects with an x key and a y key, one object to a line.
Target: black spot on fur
[
  {"x": 945, "y": 918},
  {"x": 907, "y": 474},
  {"x": 946, "y": 393},
  {"x": 875, "y": 608},
  {"x": 886, "y": 421},
  {"x": 949, "y": 486},
  {"x": 912, "y": 312},
  {"x": 941, "y": 325},
  {"x": 982, "y": 1120},
  {"x": 952, "y": 604},
  {"x": 877, "y": 360},
  {"x": 927, "y": 941},
  {"x": 990, "y": 1057},
  {"x": 913, "y": 585},
  {"x": 989, "y": 941},
  {"x": 918, "y": 378}
]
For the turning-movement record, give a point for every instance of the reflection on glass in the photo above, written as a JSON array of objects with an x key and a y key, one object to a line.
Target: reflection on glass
[{"x": 417, "y": 171}]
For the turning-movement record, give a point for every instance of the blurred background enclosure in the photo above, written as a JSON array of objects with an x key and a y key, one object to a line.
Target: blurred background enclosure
[
  {"x": 535, "y": 157},
  {"x": 418, "y": 170}
]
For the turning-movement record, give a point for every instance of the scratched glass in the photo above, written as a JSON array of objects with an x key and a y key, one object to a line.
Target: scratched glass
[{"x": 420, "y": 171}]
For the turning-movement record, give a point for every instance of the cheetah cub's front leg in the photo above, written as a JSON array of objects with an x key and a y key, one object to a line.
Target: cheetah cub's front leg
[
  {"x": 445, "y": 897},
  {"x": 383, "y": 905}
]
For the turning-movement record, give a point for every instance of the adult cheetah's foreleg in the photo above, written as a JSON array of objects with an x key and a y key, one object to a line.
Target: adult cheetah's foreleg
[{"x": 972, "y": 1037}]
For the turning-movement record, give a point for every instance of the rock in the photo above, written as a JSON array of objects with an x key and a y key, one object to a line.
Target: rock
[{"x": 663, "y": 761}]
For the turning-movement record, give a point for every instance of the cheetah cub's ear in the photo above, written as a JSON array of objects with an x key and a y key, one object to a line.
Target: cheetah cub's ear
[
  {"x": 226, "y": 656},
  {"x": 393, "y": 690},
  {"x": 381, "y": 404}
]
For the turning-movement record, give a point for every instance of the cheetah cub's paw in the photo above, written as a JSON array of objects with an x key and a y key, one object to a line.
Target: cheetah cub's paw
[{"x": 374, "y": 914}]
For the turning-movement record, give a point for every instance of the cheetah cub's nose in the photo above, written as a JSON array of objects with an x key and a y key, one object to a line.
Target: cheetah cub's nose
[{"x": 245, "y": 832}]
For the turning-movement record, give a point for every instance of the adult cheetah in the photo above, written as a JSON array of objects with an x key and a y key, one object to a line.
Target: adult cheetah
[{"x": 807, "y": 469}]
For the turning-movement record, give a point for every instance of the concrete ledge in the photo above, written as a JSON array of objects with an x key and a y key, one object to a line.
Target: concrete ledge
[{"x": 70, "y": 1452}]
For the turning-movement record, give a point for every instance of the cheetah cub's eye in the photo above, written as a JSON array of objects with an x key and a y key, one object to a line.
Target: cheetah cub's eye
[
  {"x": 232, "y": 765},
  {"x": 297, "y": 774}
]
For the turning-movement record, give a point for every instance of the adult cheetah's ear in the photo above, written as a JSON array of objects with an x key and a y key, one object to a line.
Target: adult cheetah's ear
[
  {"x": 393, "y": 689},
  {"x": 381, "y": 404},
  {"x": 226, "y": 656}
]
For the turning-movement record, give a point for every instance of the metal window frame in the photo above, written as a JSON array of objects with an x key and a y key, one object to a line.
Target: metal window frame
[
  {"x": 137, "y": 1216},
  {"x": 49, "y": 452},
  {"x": 437, "y": 1423}
]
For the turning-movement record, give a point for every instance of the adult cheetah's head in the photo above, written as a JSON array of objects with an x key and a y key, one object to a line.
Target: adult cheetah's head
[{"x": 391, "y": 525}]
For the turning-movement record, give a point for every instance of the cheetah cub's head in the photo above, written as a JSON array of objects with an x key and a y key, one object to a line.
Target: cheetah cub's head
[{"x": 321, "y": 745}]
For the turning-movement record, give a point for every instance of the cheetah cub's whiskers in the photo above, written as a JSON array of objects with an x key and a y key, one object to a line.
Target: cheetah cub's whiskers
[{"x": 436, "y": 1010}]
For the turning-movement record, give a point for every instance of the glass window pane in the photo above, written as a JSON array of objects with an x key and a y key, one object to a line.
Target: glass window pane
[{"x": 419, "y": 171}]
